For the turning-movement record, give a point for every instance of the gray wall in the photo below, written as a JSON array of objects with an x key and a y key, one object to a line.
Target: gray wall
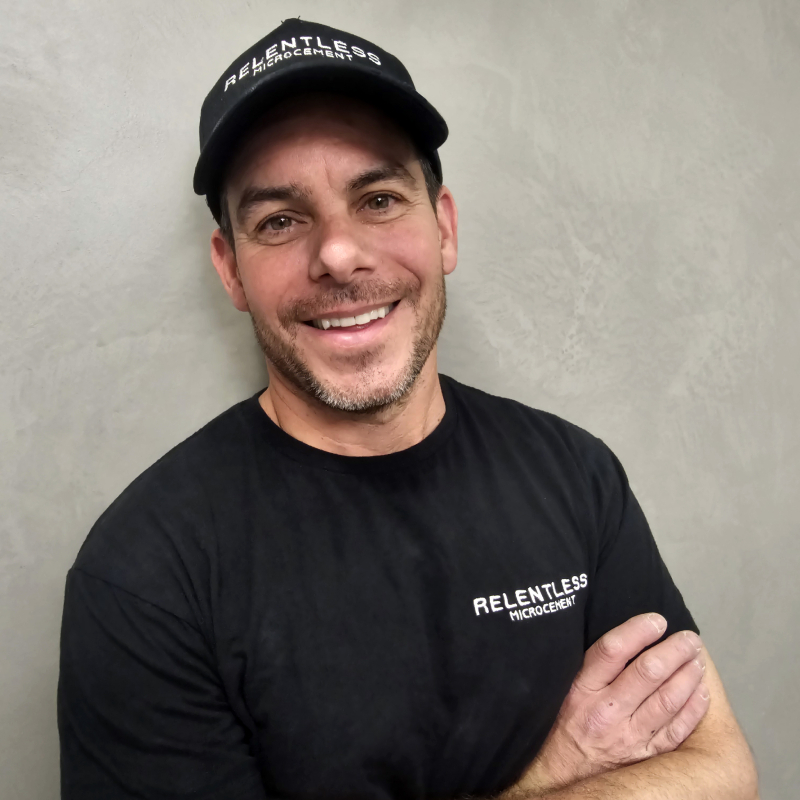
[{"x": 628, "y": 178}]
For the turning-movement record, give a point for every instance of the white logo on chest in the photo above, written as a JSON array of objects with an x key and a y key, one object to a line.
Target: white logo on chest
[{"x": 544, "y": 599}]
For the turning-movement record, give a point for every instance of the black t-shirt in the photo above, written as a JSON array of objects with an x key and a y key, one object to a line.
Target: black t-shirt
[{"x": 256, "y": 618}]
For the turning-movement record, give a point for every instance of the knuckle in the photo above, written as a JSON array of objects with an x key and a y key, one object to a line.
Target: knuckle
[
  {"x": 676, "y": 733},
  {"x": 657, "y": 743},
  {"x": 598, "y": 719},
  {"x": 628, "y": 750},
  {"x": 609, "y": 647},
  {"x": 669, "y": 704},
  {"x": 629, "y": 744},
  {"x": 649, "y": 668}
]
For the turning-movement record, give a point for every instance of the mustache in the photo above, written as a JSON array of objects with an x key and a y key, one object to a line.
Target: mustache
[{"x": 363, "y": 292}]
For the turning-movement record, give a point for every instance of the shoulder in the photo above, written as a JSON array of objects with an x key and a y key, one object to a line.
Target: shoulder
[
  {"x": 525, "y": 428},
  {"x": 155, "y": 540},
  {"x": 559, "y": 457}
]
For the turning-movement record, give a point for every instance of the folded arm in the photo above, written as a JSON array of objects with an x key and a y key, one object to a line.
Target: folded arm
[
  {"x": 713, "y": 763},
  {"x": 649, "y": 731}
]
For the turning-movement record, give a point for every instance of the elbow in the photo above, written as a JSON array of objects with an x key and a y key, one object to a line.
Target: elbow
[
  {"x": 747, "y": 776},
  {"x": 751, "y": 780},
  {"x": 732, "y": 767},
  {"x": 745, "y": 768}
]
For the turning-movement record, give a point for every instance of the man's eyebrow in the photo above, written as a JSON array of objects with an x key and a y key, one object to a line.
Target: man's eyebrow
[
  {"x": 254, "y": 195},
  {"x": 386, "y": 172}
]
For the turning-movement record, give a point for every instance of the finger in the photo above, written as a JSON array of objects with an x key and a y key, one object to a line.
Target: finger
[
  {"x": 677, "y": 731},
  {"x": 668, "y": 700},
  {"x": 607, "y": 657},
  {"x": 651, "y": 669}
]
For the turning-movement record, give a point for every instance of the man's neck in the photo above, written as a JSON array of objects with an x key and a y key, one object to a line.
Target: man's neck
[{"x": 387, "y": 431}]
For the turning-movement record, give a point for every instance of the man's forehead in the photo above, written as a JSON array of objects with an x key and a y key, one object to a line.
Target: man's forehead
[{"x": 318, "y": 129}]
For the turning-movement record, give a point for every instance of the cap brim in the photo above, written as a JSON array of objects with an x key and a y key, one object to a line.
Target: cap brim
[{"x": 412, "y": 112}]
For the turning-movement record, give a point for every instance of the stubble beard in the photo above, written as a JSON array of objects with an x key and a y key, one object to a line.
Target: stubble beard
[{"x": 372, "y": 394}]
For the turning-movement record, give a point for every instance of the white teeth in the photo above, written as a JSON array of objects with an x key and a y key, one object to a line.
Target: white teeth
[{"x": 347, "y": 322}]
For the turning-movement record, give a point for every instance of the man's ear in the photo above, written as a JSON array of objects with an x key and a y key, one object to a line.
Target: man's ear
[
  {"x": 447, "y": 218},
  {"x": 223, "y": 257}
]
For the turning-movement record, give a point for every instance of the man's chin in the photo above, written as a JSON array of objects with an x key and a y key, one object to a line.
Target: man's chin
[{"x": 360, "y": 395}]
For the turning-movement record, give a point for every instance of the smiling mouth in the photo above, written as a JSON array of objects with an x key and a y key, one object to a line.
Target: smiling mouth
[{"x": 357, "y": 321}]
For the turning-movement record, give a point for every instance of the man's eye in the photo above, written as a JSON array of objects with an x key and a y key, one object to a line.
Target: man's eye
[
  {"x": 279, "y": 223},
  {"x": 380, "y": 202}
]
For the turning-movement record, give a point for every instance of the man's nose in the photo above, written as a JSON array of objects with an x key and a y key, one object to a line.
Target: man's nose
[{"x": 341, "y": 253}]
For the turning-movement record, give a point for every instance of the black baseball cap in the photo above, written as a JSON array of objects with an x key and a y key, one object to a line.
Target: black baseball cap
[{"x": 300, "y": 56}]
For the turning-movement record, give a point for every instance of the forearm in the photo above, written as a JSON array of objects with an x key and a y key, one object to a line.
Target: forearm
[
  {"x": 686, "y": 774},
  {"x": 713, "y": 763}
]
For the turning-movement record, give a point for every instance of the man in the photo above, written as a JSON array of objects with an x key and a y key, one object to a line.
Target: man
[{"x": 370, "y": 580}]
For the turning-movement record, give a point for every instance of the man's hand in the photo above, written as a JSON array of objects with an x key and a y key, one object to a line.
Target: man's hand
[{"x": 615, "y": 715}]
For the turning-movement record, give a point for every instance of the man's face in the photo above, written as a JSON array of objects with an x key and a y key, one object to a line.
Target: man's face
[{"x": 333, "y": 225}]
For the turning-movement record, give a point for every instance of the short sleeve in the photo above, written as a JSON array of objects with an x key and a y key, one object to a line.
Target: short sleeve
[
  {"x": 630, "y": 576},
  {"x": 141, "y": 711}
]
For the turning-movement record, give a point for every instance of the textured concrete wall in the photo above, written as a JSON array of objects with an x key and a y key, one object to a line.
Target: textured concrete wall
[{"x": 628, "y": 178}]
